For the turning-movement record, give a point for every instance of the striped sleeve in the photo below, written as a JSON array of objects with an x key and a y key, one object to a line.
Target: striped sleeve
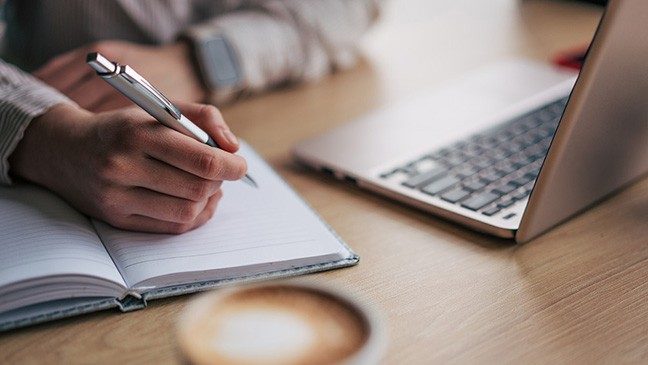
[
  {"x": 22, "y": 98},
  {"x": 280, "y": 41}
]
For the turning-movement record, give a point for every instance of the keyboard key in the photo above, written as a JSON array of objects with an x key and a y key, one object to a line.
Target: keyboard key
[
  {"x": 535, "y": 135},
  {"x": 525, "y": 140},
  {"x": 519, "y": 160},
  {"x": 505, "y": 189},
  {"x": 386, "y": 175},
  {"x": 531, "y": 154},
  {"x": 518, "y": 129},
  {"x": 465, "y": 170},
  {"x": 433, "y": 156},
  {"x": 426, "y": 177},
  {"x": 491, "y": 211},
  {"x": 503, "y": 136},
  {"x": 440, "y": 185},
  {"x": 440, "y": 153},
  {"x": 411, "y": 169},
  {"x": 473, "y": 185},
  {"x": 529, "y": 186},
  {"x": 489, "y": 175},
  {"x": 481, "y": 162},
  {"x": 480, "y": 200},
  {"x": 547, "y": 116},
  {"x": 531, "y": 121},
  {"x": 497, "y": 153},
  {"x": 505, "y": 203},
  {"x": 521, "y": 180},
  {"x": 512, "y": 147},
  {"x": 520, "y": 195},
  {"x": 555, "y": 110},
  {"x": 510, "y": 215},
  {"x": 396, "y": 176},
  {"x": 545, "y": 143},
  {"x": 535, "y": 152},
  {"x": 454, "y": 159},
  {"x": 533, "y": 173},
  {"x": 425, "y": 164},
  {"x": 488, "y": 142},
  {"x": 473, "y": 149},
  {"x": 546, "y": 131},
  {"x": 455, "y": 195},
  {"x": 505, "y": 167}
]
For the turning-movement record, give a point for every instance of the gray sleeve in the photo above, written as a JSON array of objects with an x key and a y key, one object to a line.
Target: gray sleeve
[
  {"x": 279, "y": 41},
  {"x": 22, "y": 98}
]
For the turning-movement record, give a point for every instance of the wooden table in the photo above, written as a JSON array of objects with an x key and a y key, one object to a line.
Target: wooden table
[{"x": 578, "y": 293}]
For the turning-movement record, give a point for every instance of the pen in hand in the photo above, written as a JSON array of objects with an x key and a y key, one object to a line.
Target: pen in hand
[{"x": 141, "y": 92}]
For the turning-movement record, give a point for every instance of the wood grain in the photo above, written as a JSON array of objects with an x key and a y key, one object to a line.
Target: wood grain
[{"x": 576, "y": 294}]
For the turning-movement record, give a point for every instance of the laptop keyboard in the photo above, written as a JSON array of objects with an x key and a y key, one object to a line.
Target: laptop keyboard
[{"x": 489, "y": 171}]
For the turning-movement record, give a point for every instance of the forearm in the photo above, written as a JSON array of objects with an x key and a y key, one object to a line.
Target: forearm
[
  {"x": 289, "y": 41},
  {"x": 47, "y": 137},
  {"x": 22, "y": 98}
]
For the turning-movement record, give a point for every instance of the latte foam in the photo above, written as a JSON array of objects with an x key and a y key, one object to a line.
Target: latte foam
[{"x": 274, "y": 324}]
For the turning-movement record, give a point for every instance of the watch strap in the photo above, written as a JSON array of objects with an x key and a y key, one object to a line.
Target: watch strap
[{"x": 217, "y": 61}]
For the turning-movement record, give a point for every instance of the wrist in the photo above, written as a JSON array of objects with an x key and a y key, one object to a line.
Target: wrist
[
  {"x": 217, "y": 62},
  {"x": 183, "y": 51},
  {"x": 48, "y": 138}
]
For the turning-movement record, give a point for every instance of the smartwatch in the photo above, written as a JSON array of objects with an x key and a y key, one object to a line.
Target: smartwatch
[{"x": 217, "y": 62}]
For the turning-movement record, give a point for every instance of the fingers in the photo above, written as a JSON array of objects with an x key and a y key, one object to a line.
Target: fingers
[
  {"x": 149, "y": 177},
  {"x": 209, "y": 118},
  {"x": 196, "y": 158},
  {"x": 147, "y": 224},
  {"x": 112, "y": 101},
  {"x": 89, "y": 92},
  {"x": 166, "y": 179},
  {"x": 65, "y": 71},
  {"x": 70, "y": 74},
  {"x": 55, "y": 64},
  {"x": 164, "y": 207}
]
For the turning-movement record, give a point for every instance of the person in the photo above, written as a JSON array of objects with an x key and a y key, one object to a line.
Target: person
[{"x": 64, "y": 128}]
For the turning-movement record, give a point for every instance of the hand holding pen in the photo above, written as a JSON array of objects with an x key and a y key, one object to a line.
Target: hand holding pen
[
  {"x": 127, "y": 169},
  {"x": 141, "y": 92}
]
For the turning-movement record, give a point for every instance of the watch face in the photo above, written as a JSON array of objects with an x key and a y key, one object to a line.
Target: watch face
[{"x": 221, "y": 62}]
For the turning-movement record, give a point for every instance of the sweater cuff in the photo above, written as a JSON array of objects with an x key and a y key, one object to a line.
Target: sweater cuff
[
  {"x": 18, "y": 107},
  {"x": 268, "y": 53},
  {"x": 198, "y": 37}
]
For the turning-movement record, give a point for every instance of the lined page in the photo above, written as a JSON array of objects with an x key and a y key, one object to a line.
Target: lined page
[
  {"x": 269, "y": 225},
  {"x": 42, "y": 236}
]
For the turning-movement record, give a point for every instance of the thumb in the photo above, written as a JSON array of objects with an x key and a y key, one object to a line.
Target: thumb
[{"x": 209, "y": 119}]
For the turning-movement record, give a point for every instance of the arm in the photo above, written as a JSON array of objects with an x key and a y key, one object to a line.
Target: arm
[
  {"x": 22, "y": 98},
  {"x": 273, "y": 42},
  {"x": 276, "y": 42}
]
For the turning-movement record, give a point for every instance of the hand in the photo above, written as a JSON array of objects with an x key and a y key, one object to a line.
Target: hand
[
  {"x": 127, "y": 169},
  {"x": 168, "y": 68}
]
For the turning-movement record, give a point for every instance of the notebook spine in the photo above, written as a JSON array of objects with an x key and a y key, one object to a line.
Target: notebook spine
[{"x": 131, "y": 301}]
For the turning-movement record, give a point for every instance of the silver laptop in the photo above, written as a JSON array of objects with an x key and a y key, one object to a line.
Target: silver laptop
[{"x": 512, "y": 149}]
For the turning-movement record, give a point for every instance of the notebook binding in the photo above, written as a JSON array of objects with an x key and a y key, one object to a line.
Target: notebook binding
[{"x": 130, "y": 302}]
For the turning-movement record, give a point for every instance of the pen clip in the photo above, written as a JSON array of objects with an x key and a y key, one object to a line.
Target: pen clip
[
  {"x": 135, "y": 78},
  {"x": 108, "y": 69}
]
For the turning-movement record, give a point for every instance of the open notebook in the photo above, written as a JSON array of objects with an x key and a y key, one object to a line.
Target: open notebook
[{"x": 55, "y": 262}]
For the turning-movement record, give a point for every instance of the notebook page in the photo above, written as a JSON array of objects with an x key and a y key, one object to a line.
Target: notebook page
[
  {"x": 41, "y": 236},
  {"x": 269, "y": 225}
]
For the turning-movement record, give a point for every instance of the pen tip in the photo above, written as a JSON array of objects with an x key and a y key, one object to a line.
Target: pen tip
[{"x": 250, "y": 181}]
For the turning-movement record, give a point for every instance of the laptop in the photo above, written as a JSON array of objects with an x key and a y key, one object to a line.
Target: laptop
[{"x": 512, "y": 149}]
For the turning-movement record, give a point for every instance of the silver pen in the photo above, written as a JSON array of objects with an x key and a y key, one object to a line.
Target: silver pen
[{"x": 141, "y": 92}]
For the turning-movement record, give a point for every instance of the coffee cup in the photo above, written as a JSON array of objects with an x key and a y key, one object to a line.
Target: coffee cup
[{"x": 280, "y": 323}]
